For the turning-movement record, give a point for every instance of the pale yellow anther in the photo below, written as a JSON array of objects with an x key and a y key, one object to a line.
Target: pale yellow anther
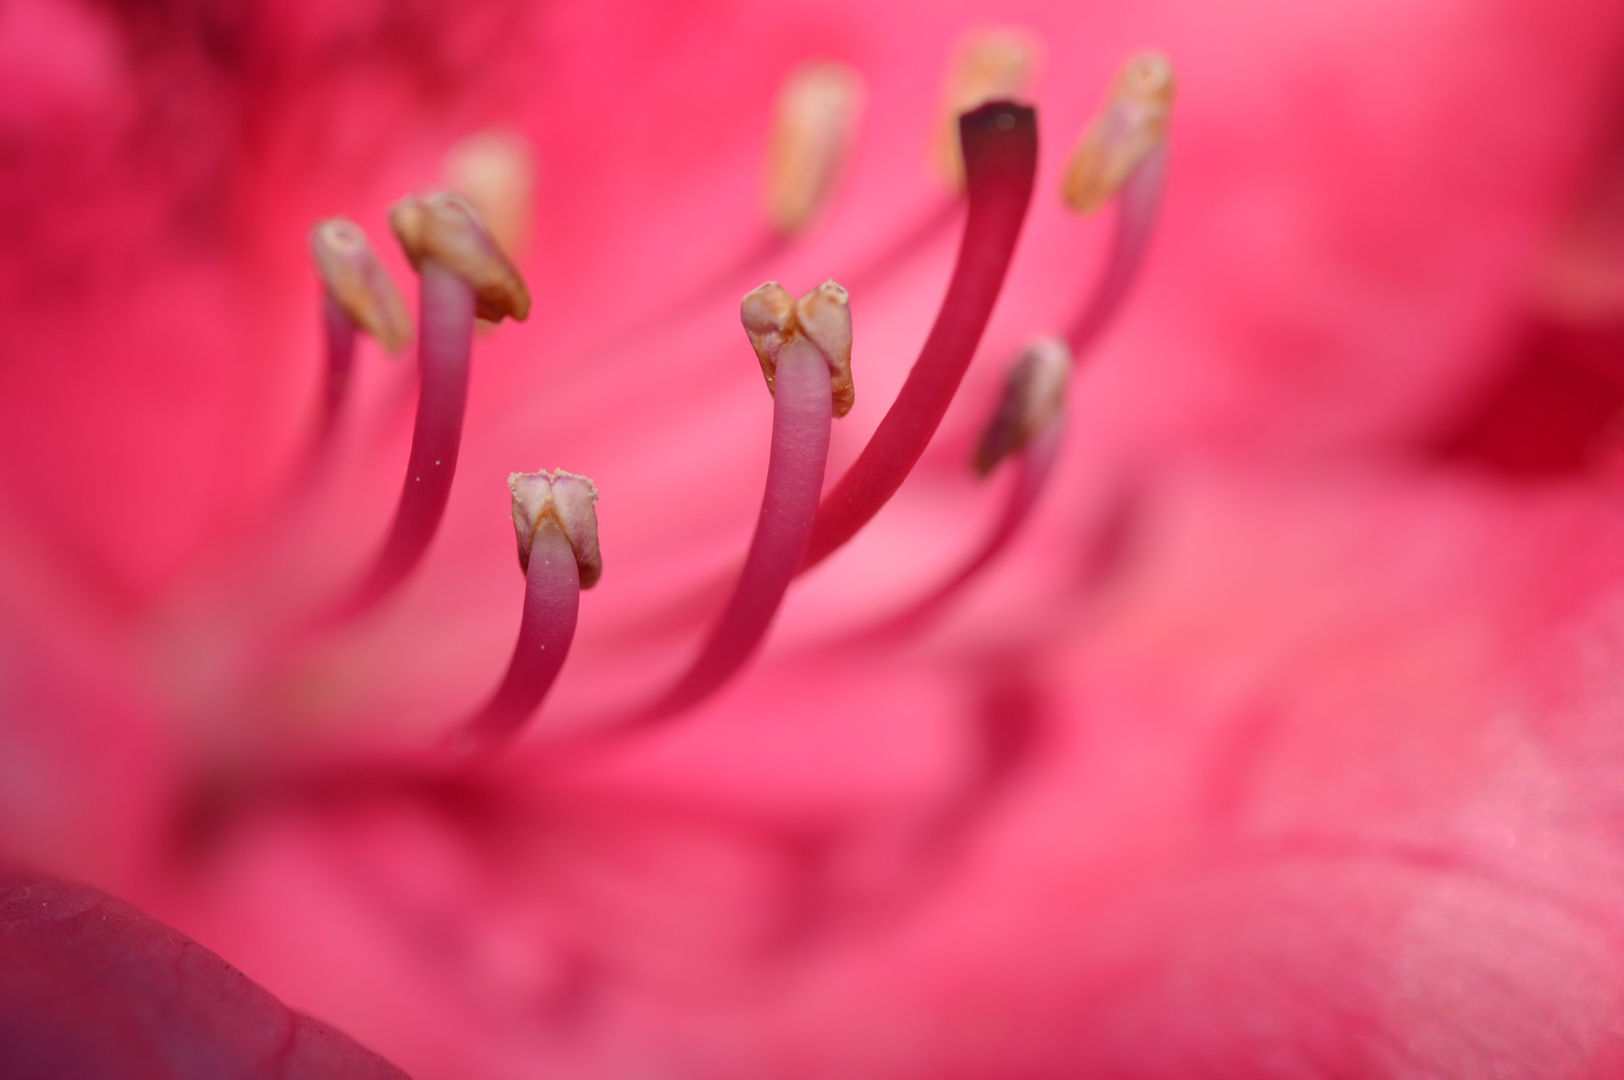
[
  {"x": 444, "y": 227},
  {"x": 996, "y": 64},
  {"x": 1034, "y": 392},
  {"x": 1131, "y": 123},
  {"x": 569, "y": 501},
  {"x": 358, "y": 283},
  {"x": 496, "y": 172},
  {"x": 772, "y": 319},
  {"x": 814, "y": 128}
]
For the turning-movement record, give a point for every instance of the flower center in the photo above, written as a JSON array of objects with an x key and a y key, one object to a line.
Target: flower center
[{"x": 804, "y": 347}]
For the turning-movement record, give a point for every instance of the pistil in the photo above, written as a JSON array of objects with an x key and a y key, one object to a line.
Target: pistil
[
  {"x": 1000, "y": 154},
  {"x": 994, "y": 64},
  {"x": 805, "y": 351},
  {"x": 461, "y": 273},
  {"x": 557, "y": 532}
]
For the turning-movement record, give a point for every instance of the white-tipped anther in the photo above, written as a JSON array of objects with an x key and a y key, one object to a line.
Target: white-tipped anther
[
  {"x": 496, "y": 172},
  {"x": 446, "y": 228},
  {"x": 994, "y": 64},
  {"x": 1131, "y": 123},
  {"x": 768, "y": 314},
  {"x": 358, "y": 283},
  {"x": 822, "y": 316},
  {"x": 814, "y": 127},
  {"x": 569, "y": 501},
  {"x": 1034, "y": 393}
]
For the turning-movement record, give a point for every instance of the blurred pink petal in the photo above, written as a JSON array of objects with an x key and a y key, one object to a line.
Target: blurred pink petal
[{"x": 92, "y": 988}]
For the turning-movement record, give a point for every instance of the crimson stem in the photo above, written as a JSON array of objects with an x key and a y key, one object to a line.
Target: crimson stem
[{"x": 1000, "y": 160}]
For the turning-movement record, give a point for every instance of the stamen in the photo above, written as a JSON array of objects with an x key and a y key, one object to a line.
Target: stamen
[
  {"x": 445, "y": 228},
  {"x": 357, "y": 293},
  {"x": 460, "y": 272},
  {"x": 339, "y": 331},
  {"x": 1028, "y": 423},
  {"x": 496, "y": 172},
  {"x": 1130, "y": 125},
  {"x": 1123, "y": 154},
  {"x": 358, "y": 284},
  {"x": 772, "y": 318},
  {"x": 557, "y": 532},
  {"x": 997, "y": 64},
  {"x": 1000, "y": 151},
  {"x": 803, "y": 347},
  {"x": 813, "y": 131},
  {"x": 1034, "y": 391}
]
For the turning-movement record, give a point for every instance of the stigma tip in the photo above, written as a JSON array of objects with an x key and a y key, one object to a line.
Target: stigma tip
[
  {"x": 358, "y": 283},
  {"x": 822, "y": 316},
  {"x": 994, "y": 64},
  {"x": 1131, "y": 124},
  {"x": 1034, "y": 392},
  {"x": 445, "y": 227},
  {"x": 814, "y": 127},
  {"x": 568, "y": 500}
]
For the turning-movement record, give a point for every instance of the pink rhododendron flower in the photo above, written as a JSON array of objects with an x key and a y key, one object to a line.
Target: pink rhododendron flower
[{"x": 1283, "y": 740}]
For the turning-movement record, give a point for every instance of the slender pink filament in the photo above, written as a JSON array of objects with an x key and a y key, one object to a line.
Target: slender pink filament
[
  {"x": 552, "y": 600},
  {"x": 1137, "y": 206},
  {"x": 1000, "y": 159},
  {"x": 1036, "y": 462},
  {"x": 800, "y": 450},
  {"x": 340, "y": 333},
  {"x": 445, "y": 337}
]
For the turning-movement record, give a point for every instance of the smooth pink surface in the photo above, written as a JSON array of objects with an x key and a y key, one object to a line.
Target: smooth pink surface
[
  {"x": 92, "y": 989},
  {"x": 1285, "y": 741}
]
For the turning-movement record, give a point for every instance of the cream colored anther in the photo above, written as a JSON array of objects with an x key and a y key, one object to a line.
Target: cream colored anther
[
  {"x": 569, "y": 500},
  {"x": 814, "y": 128},
  {"x": 358, "y": 283},
  {"x": 1034, "y": 392},
  {"x": 768, "y": 314},
  {"x": 444, "y": 227},
  {"x": 995, "y": 64},
  {"x": 496, "y": 172},
  {"x": 822, "y": 316},
  {"x": 1131, "y": 124}
]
